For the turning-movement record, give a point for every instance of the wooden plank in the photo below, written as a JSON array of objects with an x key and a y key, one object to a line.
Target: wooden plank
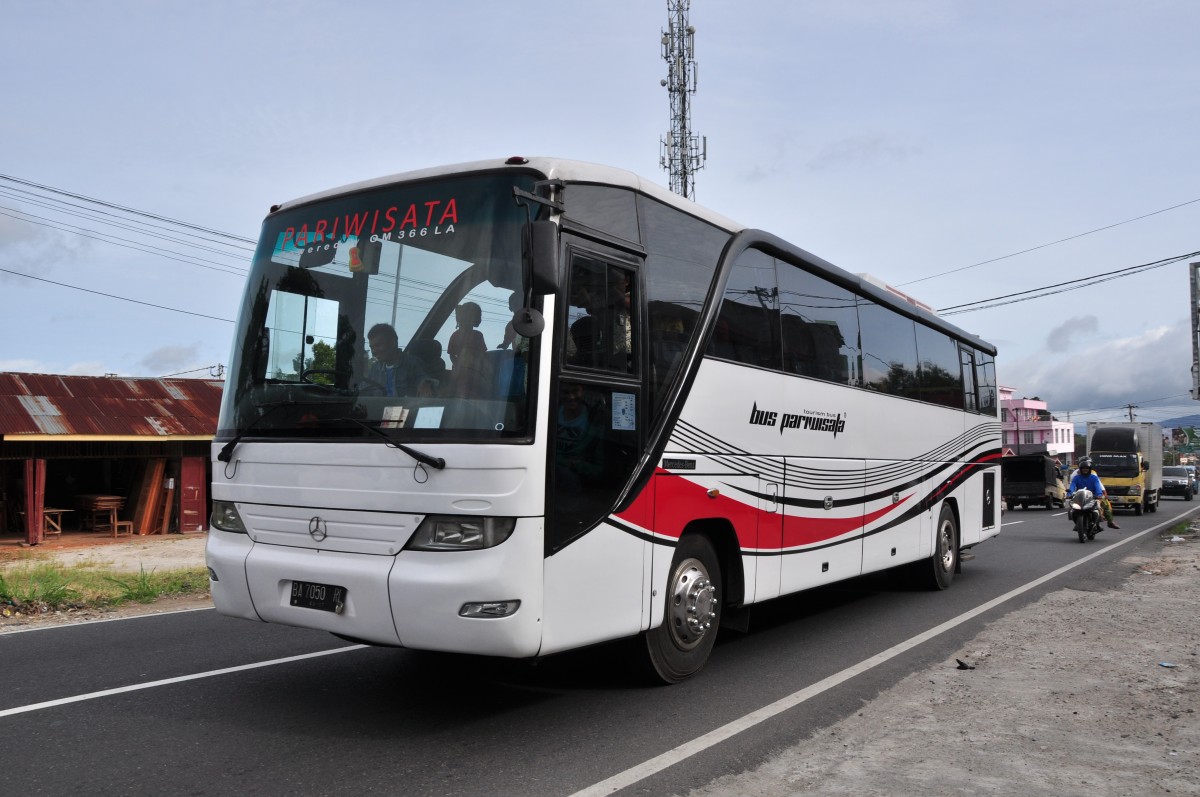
[
  {"x": 168, "y": 503},
  {"x": 148, "y": 496}
]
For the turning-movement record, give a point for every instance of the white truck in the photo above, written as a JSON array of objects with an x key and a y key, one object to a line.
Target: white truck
[{"x": 1128, "y": 459}]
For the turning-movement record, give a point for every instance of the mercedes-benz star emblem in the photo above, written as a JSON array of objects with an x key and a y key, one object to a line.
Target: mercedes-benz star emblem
[{"x": 317, "y": 529}]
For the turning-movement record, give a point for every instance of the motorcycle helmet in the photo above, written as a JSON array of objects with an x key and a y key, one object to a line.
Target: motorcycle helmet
[{"x": 1085, "y": 464}]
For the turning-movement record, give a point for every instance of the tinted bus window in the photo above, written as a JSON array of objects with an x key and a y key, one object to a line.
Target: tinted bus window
[
  {"x": 609, "y": 209},
  {"x": 819, "y": 326},
  {"x": 941, "y": 376},
  {"x": 681, "y": 258},
  {"x": 970, "y": 399},
  {"x": 748, "y": 326},
  {"x": 889, "y": 347},
  {"x": 599, "y": 316},
  {"x": 985, "y": 375}
]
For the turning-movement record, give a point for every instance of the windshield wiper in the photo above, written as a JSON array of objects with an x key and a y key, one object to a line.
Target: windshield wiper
[
  {"x": 226, "y": 453},
  {"x": 419, "y": 456}
]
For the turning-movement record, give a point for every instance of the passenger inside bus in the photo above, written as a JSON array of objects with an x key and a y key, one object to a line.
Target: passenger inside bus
[
  {"x": 603, "y": 338},
  {"x": 428, "y": 353},
  {"x": 470, "y": 373},
  {"x": 466, "y": 338},
  {"x": 391, "y": 372}
]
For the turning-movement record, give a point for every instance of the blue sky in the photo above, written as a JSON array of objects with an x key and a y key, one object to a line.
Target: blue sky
[{"x": 903, "y": 138}]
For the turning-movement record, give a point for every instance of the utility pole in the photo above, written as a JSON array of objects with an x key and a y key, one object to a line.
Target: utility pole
[
  {"x": 681, "y": 152},
  {"x": 1131, "y": 408}
]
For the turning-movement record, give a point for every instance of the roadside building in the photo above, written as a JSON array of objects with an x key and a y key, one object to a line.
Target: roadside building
[
  {"x": 1028, "y": 427},
  {"x": 106, "y": 454}
]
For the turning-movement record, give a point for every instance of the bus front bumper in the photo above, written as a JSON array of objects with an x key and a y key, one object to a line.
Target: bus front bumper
[{"x": 415, "y": 599}]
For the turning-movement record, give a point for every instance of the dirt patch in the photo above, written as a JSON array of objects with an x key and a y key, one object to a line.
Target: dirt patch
[
  {"x": 1090, "y": 693},
  {"x": 169, "y": 552}
]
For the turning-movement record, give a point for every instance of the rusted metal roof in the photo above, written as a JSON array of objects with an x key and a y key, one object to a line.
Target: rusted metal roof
[{"x": 45, "y": 404}]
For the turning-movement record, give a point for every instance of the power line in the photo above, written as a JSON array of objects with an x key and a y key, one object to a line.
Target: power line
[
  {"x": 114, "y": 240},
  {"x": 133, "y": 225},
  {"x": 218, "y": 368},
  {"x": 1062, "y": 287},
  {"x": 1141, "y": 403},
  {"x": 1052, "y": 243},
  {"x": 125, "y": 209},
  {"x": 111, "y": 296}
]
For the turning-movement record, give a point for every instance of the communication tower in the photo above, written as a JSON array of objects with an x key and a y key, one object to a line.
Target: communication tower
[
  {"x": 1194, "y": 279},
  {"x": 681, "y": 152}
]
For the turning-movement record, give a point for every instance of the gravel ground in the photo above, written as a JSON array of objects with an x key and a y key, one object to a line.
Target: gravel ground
[{"x": 1080, "y": 693}]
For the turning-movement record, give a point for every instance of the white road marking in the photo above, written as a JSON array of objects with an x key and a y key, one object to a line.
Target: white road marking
[
  {"x": 62, "y": 701},
  {"x": 674, "y": 756}
]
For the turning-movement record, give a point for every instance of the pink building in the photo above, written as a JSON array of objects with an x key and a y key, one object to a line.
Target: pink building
[{"x": 1028, "y": 427}]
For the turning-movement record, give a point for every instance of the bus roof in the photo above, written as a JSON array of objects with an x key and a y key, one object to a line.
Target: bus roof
[
  {"x": 570, "y": 171},
  {"x": 573, "y": 171}
]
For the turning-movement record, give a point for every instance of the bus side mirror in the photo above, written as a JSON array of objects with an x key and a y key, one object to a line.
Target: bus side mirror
[{"x": 540, "y": 252}]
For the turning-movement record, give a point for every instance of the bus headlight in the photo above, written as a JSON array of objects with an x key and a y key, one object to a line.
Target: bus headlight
[
  {"x": 454, "y": 533},
  {"x": 226, "y": 518},
  {"x": 1135, "y": 489}
]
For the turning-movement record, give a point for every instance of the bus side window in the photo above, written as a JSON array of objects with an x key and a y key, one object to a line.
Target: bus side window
[
  {"x": 600, "y": 317},
  {"x": 968, "y": 374},
  {"x": 747, "y": 328}
]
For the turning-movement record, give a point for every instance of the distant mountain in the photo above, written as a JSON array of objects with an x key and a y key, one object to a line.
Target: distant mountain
[
  {"x": 1171, "y": 423},
  {"x": 1187, "y": 420}
]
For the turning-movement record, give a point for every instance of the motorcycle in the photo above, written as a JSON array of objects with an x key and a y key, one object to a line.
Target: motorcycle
[{"x": 1085, "y": 514}]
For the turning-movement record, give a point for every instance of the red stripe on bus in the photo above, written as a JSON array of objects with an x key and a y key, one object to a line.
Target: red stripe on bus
[{"x": 680, "y": 501}]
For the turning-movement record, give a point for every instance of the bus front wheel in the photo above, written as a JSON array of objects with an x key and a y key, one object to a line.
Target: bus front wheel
[{"x": 678, "y": 648}]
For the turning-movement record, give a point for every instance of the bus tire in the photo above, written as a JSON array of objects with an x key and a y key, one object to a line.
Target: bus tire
[
  {"x": 677, "y": 649},
  {"x": 936, "y": 572}
]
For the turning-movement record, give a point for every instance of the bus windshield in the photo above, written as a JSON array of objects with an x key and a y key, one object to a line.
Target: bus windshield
[{"x": 386, "y": 310}]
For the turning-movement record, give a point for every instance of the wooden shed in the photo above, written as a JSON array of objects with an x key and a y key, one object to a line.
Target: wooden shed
[{"x": 107, "y": 454}]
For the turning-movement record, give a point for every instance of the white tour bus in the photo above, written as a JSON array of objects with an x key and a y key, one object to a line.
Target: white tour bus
[{"x": 512, "y": 408}]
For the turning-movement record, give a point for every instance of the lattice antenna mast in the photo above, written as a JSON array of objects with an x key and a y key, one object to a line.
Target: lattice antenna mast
[{"x": 681, "y": 153}]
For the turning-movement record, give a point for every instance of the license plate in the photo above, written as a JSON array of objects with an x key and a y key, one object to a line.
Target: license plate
[{"x": 323, "y": 597}]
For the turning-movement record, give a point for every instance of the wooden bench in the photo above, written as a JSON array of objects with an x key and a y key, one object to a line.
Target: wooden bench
[{"x": 100, "y": 514}]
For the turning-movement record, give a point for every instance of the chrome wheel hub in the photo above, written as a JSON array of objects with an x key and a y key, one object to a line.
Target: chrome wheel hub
[
  {"x": 692, "y": 604},
  {"x": 946, "y": 546}
]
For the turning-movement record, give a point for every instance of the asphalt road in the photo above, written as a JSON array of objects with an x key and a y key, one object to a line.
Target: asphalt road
[{"x": 198, "y": 704}]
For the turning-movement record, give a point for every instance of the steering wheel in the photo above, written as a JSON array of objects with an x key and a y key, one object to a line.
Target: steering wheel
[
  {"x": 371, "y": 387},
  {"x": 307, "y": 372}
]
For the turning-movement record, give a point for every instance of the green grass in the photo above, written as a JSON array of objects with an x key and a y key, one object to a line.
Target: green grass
[
  {"x": 39, "y": 588},
  {"x": 1182, "y": 527}
]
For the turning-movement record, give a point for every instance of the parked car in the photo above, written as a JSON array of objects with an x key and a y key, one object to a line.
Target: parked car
[{"x": 1177, "y": 481}]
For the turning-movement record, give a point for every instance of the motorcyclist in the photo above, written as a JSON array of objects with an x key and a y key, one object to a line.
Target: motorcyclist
[{"x": 1085, "y": 479}]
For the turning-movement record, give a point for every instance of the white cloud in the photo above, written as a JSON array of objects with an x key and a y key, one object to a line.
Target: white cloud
[
  {"x": 22, "y": 366},
  {"x": 170, "y": 359},
  {"x": 1062, "y": 337},
  {"x": 1150, "y": 366},
  {"x": 865, "y": 150},
  {"x": 86, "y": 368}
]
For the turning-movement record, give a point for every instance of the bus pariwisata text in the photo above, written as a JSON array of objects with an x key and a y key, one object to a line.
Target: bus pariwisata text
[{"x": 513, "y": 408}]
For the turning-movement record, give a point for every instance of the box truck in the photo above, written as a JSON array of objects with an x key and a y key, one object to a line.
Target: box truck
[
  {"x": 1031, "y": 479},
  {"x": 1128, "y": 459}
]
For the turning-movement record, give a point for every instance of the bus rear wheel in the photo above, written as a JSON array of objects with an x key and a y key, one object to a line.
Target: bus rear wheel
[
  {"x": 937, "y": 571},
  {"x": 677, "y": 649}
]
